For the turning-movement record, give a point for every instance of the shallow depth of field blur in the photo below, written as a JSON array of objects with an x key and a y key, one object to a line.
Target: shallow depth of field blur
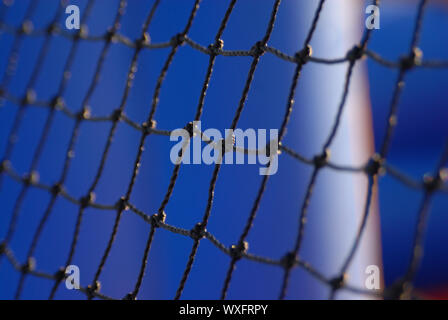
[{"x": 416, "y": 147}]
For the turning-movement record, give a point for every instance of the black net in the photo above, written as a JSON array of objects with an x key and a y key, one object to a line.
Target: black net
[{"x": 112, "y": 37}]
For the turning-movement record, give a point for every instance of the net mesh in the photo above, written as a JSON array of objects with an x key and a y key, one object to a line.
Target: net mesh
[{"x": 377, "y": 164}]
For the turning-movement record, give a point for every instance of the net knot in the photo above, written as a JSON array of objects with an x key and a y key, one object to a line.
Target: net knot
[
  {"x": 143, "y": 41},
  {"x": 237, "y": 251},
  {"x": 374, "y": 166},
  {"x": 157, "y": 219},
  {"x": 191, "y": 129},
  {"x": 130, "y": 296},
  {"x": 5, "y": 165},
  {"x": 414, "y": 59},
  {"x": 289, "y": 260},
  {"x": 110, "y": 35},
  {"x": 273, "y": 146},
  {"x": 84, "y": 113},
  {"x": 57, "y": 102},
  {"x": 227, "y": 144},
  {"x": 87, "y": 200},
  {"x": 60, "y": 274},
  {"x": 82, "y": 32},
  {"x": 432, "y": 183},
  {"x": 216, "y": 48},
  {"x": 304, "y": 55},
  {"x": 355, "y": 53},
  {"x": 116, "y": 115},
  {"x": 30, "y": 97},
  {"x": 31, "y": 179},
  {"x": 322, "y": 159},
  {"x": 178, "y": 40},
  {"x": 93, "y": 289},
  {"x": 148, "y": 127},
  {"x": 56, "y": 189},
  {"x": 122, "y": 204},
  {"x": 52, "y": 28},
  {"x": 26, "y": 27},
  {"x": 29, "y": 265},
  {"x": 258, "y": 49},
  {"x": 198, "y": 232},
  {"x": 338, "y": 282}
]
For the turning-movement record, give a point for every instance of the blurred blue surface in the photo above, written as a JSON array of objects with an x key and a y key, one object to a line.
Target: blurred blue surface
[{"x": 420, "y": 135}]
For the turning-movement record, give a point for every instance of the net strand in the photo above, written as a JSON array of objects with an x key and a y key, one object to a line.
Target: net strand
[
  {"x": 144, "y": 135},
  {"x": 57, "y": 188},
  {"x": 386, "y": 142},
  {"x": 241, "y": 245},
  {"x": 120, "y": 209},
  {"x": 122, "y": 39},
  {"x": 17, "y": 122},
  {"x": 15, "y": 48},
  {"x": 376, "y": 165},
  {"x": 59, "y": 100},
  {"x": 354, "y": 55},
  {"x": 9, "y": 74},
  {"x": 201, "y": 227},
  {"x": 160, "y": 216},
  {"x": 420, "y": 228}
]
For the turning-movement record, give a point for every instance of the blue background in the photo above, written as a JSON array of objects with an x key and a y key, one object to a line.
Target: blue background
[{"x": 416, "y": 147}]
